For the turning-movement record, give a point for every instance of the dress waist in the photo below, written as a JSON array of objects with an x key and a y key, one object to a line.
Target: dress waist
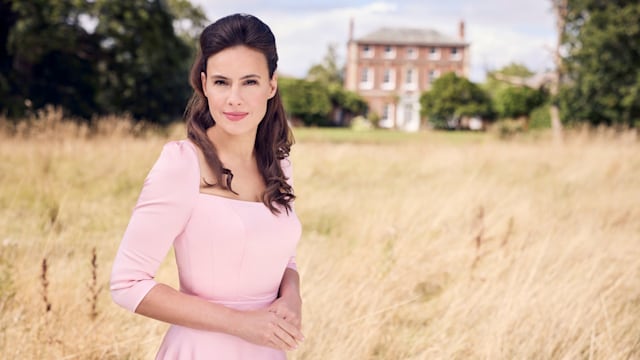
[{"x": 246, "y": 303}]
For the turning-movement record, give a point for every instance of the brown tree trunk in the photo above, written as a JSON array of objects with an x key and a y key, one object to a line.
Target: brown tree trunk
[{"x": 560, "y": 10}]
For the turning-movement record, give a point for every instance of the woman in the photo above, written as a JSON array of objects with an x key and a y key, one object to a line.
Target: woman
[{"x": 223, "y": 198}]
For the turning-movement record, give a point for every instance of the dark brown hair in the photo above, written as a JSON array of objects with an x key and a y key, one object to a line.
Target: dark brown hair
[{"x": 273, "y": 138}]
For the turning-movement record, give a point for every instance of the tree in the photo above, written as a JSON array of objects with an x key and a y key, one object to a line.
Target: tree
[
  {"x": 97, "y": 56},
  {"x": 507, "y": 76},
  {"x": 347, "y": 100},
  {"x": 189, "y": 20},
  {"x": 518, "y": 101},
  {"x": 306, "y": 100},
  {"x": 602, "y": 42},
  {"x": 11, "y": 102},
  {"x": 327, "y": 72},
  {"x": 52, "y": 57},
  {"x": 452, "y": 97},
  {"x": 327, "y": 76},
  {"x": 560, "y": 10},
  {"x": 145, "y": 64}
]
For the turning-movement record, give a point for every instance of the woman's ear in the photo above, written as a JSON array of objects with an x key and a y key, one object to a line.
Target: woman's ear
[
  {"x": 273, "y": 82},
  {"x": 203, "y": 81}
]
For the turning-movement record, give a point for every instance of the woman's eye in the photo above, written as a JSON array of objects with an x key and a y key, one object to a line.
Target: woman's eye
[
  {"x": 219, "y": 82},
  {"x": 251, "y": 82}
]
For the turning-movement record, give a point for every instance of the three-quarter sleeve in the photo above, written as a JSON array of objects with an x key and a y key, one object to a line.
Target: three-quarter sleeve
[
  {"x": 287, "y": 169},
  {"x": 160, "y": 215}
]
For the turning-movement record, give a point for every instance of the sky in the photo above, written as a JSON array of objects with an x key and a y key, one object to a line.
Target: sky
[{"x": 500, "y": 31}]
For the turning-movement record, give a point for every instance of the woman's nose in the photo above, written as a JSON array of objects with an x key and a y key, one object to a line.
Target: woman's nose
[{"x": 235, "y": 97}]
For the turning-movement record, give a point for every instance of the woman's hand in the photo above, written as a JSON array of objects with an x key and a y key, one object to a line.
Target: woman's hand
[
  {"x": 289, "y": 308},
  {"x": 264, "y": 327}
]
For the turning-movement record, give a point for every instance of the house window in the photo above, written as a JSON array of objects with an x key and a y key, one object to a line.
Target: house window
[
  {"x": 385, "y": 111},
  {"x": 434, "y": 53},
  {"x": 389, "y": 52},
  {"x": 386, "y": 120},
  {"x": 455, "y": 54},
  {"x": 367, "y": 51},
  {"x": 366, "y": 78},
  {"x": 412, "y": 53},
  {"x": 389, "y": 79},
  {"x": 410, "y": 79},
  {"x": 408, "y": 113},
  {"x": 433, "y": 75}
]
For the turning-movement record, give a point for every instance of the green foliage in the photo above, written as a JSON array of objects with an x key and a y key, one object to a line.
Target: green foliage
[
  {"x": 151, "y": 61},
  {"x": 493, "y": 85},
  {"x": 517, "y": 101},
  {"x": 312, "y": 99},
  {"x": 189, "y": 20},
  {"x": 540, "y": 117},
  {"x": 347, "y": 100},
  {"x": 328, "y": 72},
  {"x": 452, "y": 96},
  {"x": 602, "y": 40},
  {"x": 97, "y": 56},
  {"x": 51, "y": 57},
  {"x": 307, "y": 100}
]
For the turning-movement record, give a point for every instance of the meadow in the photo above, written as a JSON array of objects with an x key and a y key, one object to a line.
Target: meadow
[{"x": 433, "y": 245}]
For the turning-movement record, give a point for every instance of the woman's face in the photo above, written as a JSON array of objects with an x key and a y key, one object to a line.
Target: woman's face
[{"x": 237, "y": 87}]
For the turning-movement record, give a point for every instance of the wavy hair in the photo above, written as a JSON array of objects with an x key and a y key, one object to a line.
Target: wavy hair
[{"x": 274, "y": 137}]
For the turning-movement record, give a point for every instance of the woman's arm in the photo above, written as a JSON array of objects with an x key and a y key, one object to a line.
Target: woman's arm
[
  {"x": 288, "y": 305},
  {"x": 261, "y": 327}
]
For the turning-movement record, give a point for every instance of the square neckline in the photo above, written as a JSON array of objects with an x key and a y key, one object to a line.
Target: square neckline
[{"x": 216, "y": 196}]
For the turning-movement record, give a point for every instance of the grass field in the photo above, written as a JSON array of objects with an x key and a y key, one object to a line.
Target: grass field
[{"x": 415, "y": 246}]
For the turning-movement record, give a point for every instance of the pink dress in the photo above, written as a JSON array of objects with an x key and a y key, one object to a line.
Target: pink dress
[{"x": 228, "y": 251}]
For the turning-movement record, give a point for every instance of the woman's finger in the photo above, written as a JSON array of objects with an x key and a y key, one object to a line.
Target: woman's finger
[
  {"x": 291, "y": 329},
  {"x": 287, "y": 339}
]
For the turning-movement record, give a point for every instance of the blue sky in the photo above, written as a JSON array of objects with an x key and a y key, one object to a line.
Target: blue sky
[{"x": 500, "y": 31}]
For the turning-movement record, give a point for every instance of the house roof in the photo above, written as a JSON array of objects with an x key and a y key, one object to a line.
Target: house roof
[{"x": 409, "y": 36}]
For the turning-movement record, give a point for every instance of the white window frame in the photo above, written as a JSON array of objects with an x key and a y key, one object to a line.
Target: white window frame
[
  {"x": 410, "y": 79},
  {"x": 434, "y": 53},
  {"x": 387, "y": 116},
  {"x": 389, "y": 52},
  {"x": 432, "y": 76},
  {"x": 412, "y": 53},
  {"x": 389, "y": 79},
  {"x": 457, "y": 55},
  {"x": 367, "y": 74},
  {"x": 367, "y": 51}
]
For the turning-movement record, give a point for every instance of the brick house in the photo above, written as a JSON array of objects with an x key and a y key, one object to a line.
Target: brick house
[{"x": 391, "y": 67}]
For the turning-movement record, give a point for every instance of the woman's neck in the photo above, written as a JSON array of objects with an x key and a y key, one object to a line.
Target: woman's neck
[{"x": 231, "y": 147}]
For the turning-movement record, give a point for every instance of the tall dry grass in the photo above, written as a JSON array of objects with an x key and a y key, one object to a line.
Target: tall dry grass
[{"x": 428, "y": 246}]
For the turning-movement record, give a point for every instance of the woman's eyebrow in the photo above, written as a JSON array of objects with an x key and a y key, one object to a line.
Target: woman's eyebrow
[{"x": 222, "y": 77}]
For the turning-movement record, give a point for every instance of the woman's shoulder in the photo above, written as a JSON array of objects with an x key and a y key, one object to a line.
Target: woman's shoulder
[
  {"x": 179, "y": 150},
  {"x": 178, "y": 157}
]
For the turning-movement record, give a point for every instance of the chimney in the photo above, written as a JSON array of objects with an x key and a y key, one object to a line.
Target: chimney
[
  {"x": 351, "y": 29},
  {"x": 461, "y": 30}
]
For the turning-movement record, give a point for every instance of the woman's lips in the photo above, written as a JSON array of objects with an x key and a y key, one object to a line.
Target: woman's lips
[{"x": 235, "y": 116}]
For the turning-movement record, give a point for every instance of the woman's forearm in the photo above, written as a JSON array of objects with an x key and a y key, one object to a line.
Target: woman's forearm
[
  {"x": 169, "y": 305},
  {"x": 290, "y": 285},
  {"x": 260, "y": 326}
]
